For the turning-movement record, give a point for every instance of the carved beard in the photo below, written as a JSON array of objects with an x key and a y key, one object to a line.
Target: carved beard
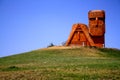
[{"x": 97, "y": 28}]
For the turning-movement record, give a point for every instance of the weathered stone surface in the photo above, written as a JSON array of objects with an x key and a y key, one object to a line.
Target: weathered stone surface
[
  {"x": 97, "y": 26},
  {"x": 96, "y": 22},
  {"x": 81, "y": 35}
]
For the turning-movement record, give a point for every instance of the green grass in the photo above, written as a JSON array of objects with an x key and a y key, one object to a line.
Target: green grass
[{"x": 62, "y": 64}]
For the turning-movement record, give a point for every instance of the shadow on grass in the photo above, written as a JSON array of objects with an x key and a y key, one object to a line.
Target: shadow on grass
[
  {"x": 12, "y": 68},
  {"x": 110, "y": 52}
]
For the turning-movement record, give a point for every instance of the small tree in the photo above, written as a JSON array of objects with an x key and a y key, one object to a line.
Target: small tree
[{"x": 51, "y": 45}]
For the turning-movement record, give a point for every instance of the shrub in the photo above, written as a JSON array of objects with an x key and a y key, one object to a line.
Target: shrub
[{"x": 51, "y": 45}]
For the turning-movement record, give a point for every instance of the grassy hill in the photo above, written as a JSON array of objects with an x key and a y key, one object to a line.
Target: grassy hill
[{"x": 62, "y": 64}]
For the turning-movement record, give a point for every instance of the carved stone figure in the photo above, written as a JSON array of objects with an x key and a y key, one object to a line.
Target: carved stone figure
[
  {"x": 81, "y": 35},
  {"x": 97, "y": 26},
  {"x": 96, "y": 22}
]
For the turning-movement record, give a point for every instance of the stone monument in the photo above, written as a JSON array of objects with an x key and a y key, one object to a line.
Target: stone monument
[{"x": 93, "y": 35}]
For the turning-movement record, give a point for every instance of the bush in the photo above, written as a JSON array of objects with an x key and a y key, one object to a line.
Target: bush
[
  {"x": 51, "y": 45},
  {"x": 11, "y": 68}
]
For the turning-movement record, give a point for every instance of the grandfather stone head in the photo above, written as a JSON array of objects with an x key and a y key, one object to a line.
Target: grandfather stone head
[{"x": 96, "y": 22}]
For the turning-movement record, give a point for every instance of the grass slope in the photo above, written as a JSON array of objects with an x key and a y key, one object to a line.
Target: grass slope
[{"x": 62, "y": 64}]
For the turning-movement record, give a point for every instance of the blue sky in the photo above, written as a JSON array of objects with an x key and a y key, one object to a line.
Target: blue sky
[{"x": 27, "y": 25}]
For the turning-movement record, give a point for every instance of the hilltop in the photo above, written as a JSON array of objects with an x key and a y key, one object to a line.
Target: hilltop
[{"x": 62, "y": 63}]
